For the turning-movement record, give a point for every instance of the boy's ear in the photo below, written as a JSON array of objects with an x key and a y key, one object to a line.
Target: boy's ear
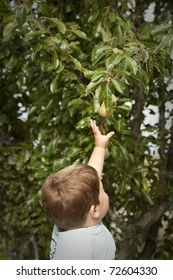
[{"x": 94, "y": 212}]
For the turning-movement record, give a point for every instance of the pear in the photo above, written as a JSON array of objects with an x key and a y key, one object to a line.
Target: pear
[
  {"x": 102, "y": 110},
  {"x": 145, "y": 184}
]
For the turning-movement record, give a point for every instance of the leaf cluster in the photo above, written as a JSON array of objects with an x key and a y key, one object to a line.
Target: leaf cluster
[{"x": 59, "y": 61}]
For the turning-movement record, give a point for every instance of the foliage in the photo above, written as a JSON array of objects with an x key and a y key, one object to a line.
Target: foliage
[{"x": 60, "y": 61}]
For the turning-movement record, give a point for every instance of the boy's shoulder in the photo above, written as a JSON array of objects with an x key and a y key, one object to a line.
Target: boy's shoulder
[
  {"x": 82, "y": 244},
  {"x": 80, "y": 236},
  {"x": 72, "y": 244}
]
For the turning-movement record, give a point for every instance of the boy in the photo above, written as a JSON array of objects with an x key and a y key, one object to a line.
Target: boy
[{"x": 75, "y": 201}]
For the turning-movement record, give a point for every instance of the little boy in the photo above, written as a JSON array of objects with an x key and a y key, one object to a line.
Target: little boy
[{"x": 75, "y": 202}]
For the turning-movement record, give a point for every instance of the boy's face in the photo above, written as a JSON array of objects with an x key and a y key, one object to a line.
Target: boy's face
[{"x": 104, "y": 202}]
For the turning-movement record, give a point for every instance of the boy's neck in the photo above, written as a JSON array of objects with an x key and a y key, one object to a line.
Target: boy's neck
[{"x": 90, "y": 222}]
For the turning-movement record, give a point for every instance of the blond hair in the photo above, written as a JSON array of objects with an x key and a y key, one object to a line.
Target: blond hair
[{"x": 68, "y": 195}]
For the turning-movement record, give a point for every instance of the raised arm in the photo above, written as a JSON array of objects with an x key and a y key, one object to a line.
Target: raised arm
[{"x": 97, "y": 157}]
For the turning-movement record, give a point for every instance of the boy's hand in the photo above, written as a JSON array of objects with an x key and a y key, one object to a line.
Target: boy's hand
[{"x": 100, "y": 139}]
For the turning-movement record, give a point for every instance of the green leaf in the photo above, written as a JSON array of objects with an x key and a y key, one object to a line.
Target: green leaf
[
  {"x": 145, "y": 29},
  {"x": 58, "y": 164},
  {"x": 74, "y": 152},
  {"x": 41, "y": 117},
  {"x": 119, "y": 124},
  {"x": 102, "y": 48},
  {"x": 118, "y": 85},
  {"x": 88, "y": 73},
  {"x": 12, "y": 62},
  {"x": 113, "y": 16},
  {"x": 165, "y": 41},
  {"x": 93, "y": 16},
  {"x": 92, "y": 85},
  {"x": 72, "y": 25},
  {"x": 171, "y": 50},
  {"x": 80, "y": 34},
  {"x": 53, "y": 41},
  {"x": 113, "y": 60},
  {"x": 83, "y": 123},
  {"x": 54, "y": 85},
  {"x": 21, "y": 16},
  {"x": 148, "y": 198},
  {"x": 37, "y": 49},
  {"x": 60, "y": 68},
  {"x": 123, "y": 107},
  {"x": 55, "y": 60},
  {"x": 54, "y": 145},
  {"x": 119, "y": 34},
  {"x": 40, "y": 174},
  {"x": 137, "y": 182},
  {"x": 145, "y": 55},
  {"x": 149, "y": 43},
  {"x": 96, "y": 100},
  {"x": 76, "y": 102},
  {"x": 106, "y": 34},
  {"x": 61, "y": 26},
  {"x": 144, "y": 79},
  {"x": 161, "y": 28},
  {"x": 139, "y": 169},
  {"x": 9, "y": 30},
  {"x": 97, "y": 75},
  {"x": 77, "y": 63},
  {"x": 132, "y": 64},
  {"x": 121, "y": 149}
]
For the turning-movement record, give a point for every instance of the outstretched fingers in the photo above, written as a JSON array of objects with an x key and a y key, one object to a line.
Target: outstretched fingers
[
  {"x": 110, "y": 134},
  {"x": 97, "y": 131},
  {"x": 94, "y": 127}
]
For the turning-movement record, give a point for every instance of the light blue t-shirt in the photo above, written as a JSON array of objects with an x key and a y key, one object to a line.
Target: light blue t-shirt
[{"x": 92, "y": 243}]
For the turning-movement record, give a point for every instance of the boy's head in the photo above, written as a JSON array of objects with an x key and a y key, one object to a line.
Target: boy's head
[{"x": 68, "y": 195}]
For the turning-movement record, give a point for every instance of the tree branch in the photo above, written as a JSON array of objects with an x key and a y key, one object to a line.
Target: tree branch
[
  {"x": 129, "y": 246},
  {"x": 34, "y": 243}
]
